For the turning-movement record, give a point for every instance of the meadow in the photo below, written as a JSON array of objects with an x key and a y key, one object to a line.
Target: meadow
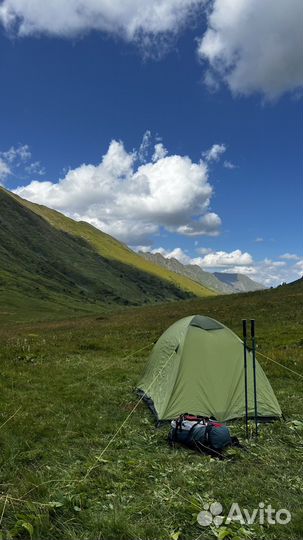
[{"x": 67, "y": 386}]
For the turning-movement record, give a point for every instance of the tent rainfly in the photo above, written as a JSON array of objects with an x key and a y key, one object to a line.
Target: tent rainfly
[{"x": 197, "y": 367}]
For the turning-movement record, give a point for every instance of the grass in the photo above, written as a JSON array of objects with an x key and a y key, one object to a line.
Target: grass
[{"x": 68, "y": 385}]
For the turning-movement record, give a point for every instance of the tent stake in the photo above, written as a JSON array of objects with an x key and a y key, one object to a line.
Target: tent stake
[
  {"x": 244, "y": 323},
  {"x": 253, "y": 341}
]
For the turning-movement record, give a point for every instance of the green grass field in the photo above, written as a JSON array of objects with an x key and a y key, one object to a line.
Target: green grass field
[{"x": 68, "y": 385}]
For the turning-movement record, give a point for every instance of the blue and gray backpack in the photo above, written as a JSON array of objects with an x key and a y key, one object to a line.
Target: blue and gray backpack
[{"x": 200, "y": 434}]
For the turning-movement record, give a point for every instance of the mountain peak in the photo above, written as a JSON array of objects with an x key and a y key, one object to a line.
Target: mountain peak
[{"x": 223, "y": 283}]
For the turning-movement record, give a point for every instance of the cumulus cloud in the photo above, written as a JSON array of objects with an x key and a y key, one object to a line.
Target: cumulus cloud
[
  {"x": 208, "y": 224},
  {"x": 222, "y": 258},
  {"x": 214, "y": 153},
  {"x": 299, "y": 267},
  {"x": 129, "y": 19},
  {"x": 133, "y": 200},
  {"x": 254, "y": 46},
  {"x": 290, "y": 256},
  {"x": 159, "y": 152}
]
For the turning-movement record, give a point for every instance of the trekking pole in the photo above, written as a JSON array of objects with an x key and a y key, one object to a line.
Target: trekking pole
[
  {"x": 253, "y": 342},
  {"x": 244, "y": 323}
]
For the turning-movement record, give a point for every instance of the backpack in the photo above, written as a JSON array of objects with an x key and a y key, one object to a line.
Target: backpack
[{"x": 200, "y": 434}]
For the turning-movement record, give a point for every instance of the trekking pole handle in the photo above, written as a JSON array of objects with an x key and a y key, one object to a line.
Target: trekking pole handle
[
  {"x": 244, "y": 324},
  {"x": 252, "y": 328}
]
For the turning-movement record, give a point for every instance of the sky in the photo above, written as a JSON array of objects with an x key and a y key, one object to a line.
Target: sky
[{"x": 174, "y": 125}]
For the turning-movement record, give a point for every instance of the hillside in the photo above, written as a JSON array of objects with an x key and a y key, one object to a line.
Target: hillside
[
  {"x": 50, "y": 267},
  {"x": 110, "y": 248},
  {"x": 218, "y": 281}
]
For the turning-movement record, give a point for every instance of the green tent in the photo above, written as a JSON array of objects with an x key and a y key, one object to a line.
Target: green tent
[{"x": 197, "y": 367}]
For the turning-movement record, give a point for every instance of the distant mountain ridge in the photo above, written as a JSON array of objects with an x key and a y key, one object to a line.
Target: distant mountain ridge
[
  {"x": 239, "y": 282},
  {"x": 220, "y": 282}
]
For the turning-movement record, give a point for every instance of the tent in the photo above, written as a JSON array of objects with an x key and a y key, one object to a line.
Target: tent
[{"x": 197, "y": 367}]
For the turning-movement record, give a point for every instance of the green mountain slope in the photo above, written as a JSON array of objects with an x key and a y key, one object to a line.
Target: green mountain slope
[
  {"x": 43, "y": 267},
  {"x": 110, "y": 248}
]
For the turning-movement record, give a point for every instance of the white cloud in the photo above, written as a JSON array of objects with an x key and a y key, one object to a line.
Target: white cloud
[
  {"x": 129, "y": 19},
  {"x": 176, "y": 253},
  {"x": 144, "y": 146},
  {"x": 229, "y": 165},
  {"x": 222, "y": 258},
  {"x": 254, "y": 46},
  {"x": 215, "y": 152},
  {"x": 259, "y": 239},
  {"x": 144, "y": 249},
  {"x": 299, "y": 267},
  {"x": 273, "y": 264},
  {"x": 203, "y": 250},
  {"x": 16, "y": 161},
  {"x": 160, "y": 152},
  {"x": 270, "y": 272},
  {"x": 4, "y": 170},
  {"x": 290, "y": 256},
  {"x": 17, "y": 153},
  {"x": 35, "y": 168},
  {"x": 246, "y": 270},
  {"x": 208, "y": 224},
  {"x": 133, "y": 201}
]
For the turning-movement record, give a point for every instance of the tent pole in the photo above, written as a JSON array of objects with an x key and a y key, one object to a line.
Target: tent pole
[
  {"x": 244, "y": 323},
  {"x": 253, "y": 341}
]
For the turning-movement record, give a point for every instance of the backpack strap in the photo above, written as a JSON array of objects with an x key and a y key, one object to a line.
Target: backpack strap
[
  {"x": 208, "y": 429},
  {"x": 189, "y": 435}
]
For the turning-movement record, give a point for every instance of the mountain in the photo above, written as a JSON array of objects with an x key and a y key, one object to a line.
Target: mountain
[
  {"x": 49, "y": 260},
  {"x": 192, "y": 271},
  {"x": 239, "y": 282},
  {"x": 217, "y": 281}
]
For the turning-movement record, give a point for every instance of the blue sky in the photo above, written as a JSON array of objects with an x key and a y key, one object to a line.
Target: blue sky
[{"x": 224, "y": 187}]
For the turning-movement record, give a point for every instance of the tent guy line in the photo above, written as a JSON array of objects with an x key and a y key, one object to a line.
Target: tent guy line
[
  {"x": 10, "y": 418},
  {"x": 98, "y": 458},
  {"x": 281, "y": 365}
]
